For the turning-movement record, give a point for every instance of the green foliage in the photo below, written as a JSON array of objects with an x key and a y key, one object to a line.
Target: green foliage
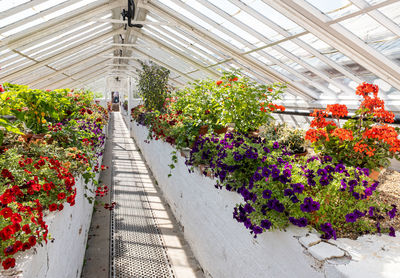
[
  {"x": 234, "y": 99},
  {"x": 153, "y": 85}
]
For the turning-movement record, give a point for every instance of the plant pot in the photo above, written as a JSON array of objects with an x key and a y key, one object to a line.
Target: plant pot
[
  {"x": 301, "y": 154},
  {"x": 185, "y": 152},
  {"x": 27, "y": 137},
  {"x": 38, "y": 136},
  {"x": 254, "y": 133},
  {"x": 221, "y": 130},
  {"x": 374, "y": 174},
  {"x": 203, "y": 130}
]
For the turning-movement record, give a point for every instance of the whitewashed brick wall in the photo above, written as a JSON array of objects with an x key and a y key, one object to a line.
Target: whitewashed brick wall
[{"x": 224, "y": 248}]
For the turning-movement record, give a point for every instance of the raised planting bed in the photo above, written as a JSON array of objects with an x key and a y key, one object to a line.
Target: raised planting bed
[
  {"x": 63, "y": 255},
  {"x": 224, "y": 248}
]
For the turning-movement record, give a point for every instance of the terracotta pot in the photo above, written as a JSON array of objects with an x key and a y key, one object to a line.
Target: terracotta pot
[
  {"x": 203, "y": 130},
  {"x": 373, "y": 174},
  {"x": 38, "y": 136},
  {"x": 27, "y": 137},
  {"x": 254, "y": 133},
  {"x": 298, "y": 155},
  {"x": 221, "y": 130},
  {"x": 301, "y": 154}
]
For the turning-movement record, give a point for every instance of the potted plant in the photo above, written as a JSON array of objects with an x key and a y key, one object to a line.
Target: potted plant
[
  {"x": 232, "y": 100},
  {"x": 153, "y": 85},
  {"x": 365, "y": 140},
  {"x": 294, "y": 140}
]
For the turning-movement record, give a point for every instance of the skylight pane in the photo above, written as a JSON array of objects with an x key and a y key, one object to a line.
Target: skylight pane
[
  {"x": 366, "y": 28},
  {"x": 16, "y": 17},
  {"x": 8, "y": 4},
  {"x": 274, "y": 16}
]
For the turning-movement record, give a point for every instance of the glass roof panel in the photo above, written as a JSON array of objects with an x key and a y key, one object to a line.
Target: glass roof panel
[
  {"x": 274, "y": 16},
  {"x": 334, "y": 9},
  {"x": 8, "y": 4}
]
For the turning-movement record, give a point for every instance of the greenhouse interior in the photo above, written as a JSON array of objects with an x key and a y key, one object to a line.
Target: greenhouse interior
[{"x": 199, "y": 138}]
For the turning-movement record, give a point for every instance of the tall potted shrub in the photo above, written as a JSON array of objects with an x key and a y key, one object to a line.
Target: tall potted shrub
[{"x": 153, "y": 85}]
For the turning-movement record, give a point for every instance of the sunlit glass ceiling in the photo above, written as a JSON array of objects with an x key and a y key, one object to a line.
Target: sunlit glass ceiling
[{"x": 322, "y": 49}]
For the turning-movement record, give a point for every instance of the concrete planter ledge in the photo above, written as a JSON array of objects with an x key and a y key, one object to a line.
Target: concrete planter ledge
[
  {"x": 63, "y": 257},
  {"x": 224, "y": 248}
]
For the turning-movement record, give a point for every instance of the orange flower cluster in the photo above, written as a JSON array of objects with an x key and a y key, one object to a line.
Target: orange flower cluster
[
  {"x": 365, "y": 88},
  {"x": 374, "y": 105},
  {"x": 364, "y": 148},
  {"x": 319, "y": 120},
  {"x": 314, "y": 135},
  {"x": 343, "y": 134},
  {"x": 337, "y": 110},
  {"x": 366, "y": 138},
  {"x": 271, "y": 107},
  {"x": 383, "y": 133}
]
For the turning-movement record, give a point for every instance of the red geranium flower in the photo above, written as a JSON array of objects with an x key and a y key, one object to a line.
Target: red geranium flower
[
  {"x": 32, "y": 240},
  {"x": 26, "y": 229},
  {"x": 52, "y": 207},
  {"x": 8, "y": 263},
  {"x": 6, "y": 212},
  {"x": 26, "y": 246},
  {"x": 16, "y": 218},
  {"x": 61, "y": 196},
  {"x": 219, "y": 82}
]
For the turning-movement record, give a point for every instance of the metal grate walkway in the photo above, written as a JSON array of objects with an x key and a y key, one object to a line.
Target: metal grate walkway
[{"x": 137, "y": 248}]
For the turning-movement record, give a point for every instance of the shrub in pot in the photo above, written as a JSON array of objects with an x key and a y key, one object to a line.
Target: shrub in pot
[{"x": 153, "y": 85}]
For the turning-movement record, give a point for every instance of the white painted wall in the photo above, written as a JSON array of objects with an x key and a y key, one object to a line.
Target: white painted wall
[{"x": 224, "y": 248}]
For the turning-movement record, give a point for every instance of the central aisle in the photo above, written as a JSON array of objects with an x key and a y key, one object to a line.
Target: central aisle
[
  {"x": 145, "y": 240},
  {"x": 137, "y": 246}
]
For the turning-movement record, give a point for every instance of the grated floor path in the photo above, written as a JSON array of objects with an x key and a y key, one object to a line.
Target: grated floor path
[{"x": 137, "y": 248}]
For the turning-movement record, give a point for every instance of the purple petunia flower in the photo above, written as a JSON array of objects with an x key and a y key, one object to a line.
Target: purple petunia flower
[
  {"x": 266, "y": 224},
  {"x": 324, "y": 181},
  {"x": 237, "y": 156},
  {"x": 266, "y": 150},
  {"x": 288, "y": 192},
  {"x": 275, "y": 145},
  {"x": 247, "y": 223},
  {"x": 329, "y": 169},
  {"x": 298, "y": 188},
  {"x": 378, "y": 227},
  {"x": 257, "y": 230},
  {"x": 248, "y": 208},
  {"x": 371, "y": 211},
  {"x": 353, "y": 183},
  {"x": 287, "y": 173},
  {"x": 294, "y": 199},
  {"x": 257, "y": 176},
  {"x": 311, "y": 182},
  {"x": 322, "y": 172},
  {"x": 328, "y": 230},
  {"x": 392, "y": 232},
  {"x": 275, "y": 173},
  {"x": 392, "y": 212},
  {"x": 265, "y": 172},
  {"x": 356, "y": 195},
  {"x": 340, "y": 168},
  {"x": 365, "y": 171},
  {"x": 267, "y": 194},
  {"x": 344, "y": 185}
]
